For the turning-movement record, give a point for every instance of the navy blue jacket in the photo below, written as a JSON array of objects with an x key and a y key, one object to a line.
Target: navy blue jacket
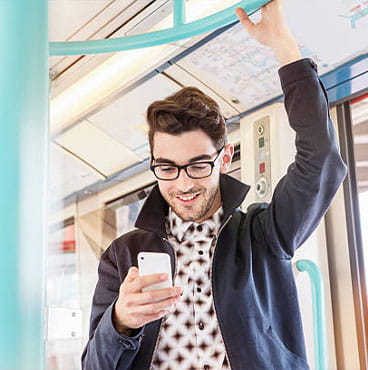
[{"x": 252, "y": 281}]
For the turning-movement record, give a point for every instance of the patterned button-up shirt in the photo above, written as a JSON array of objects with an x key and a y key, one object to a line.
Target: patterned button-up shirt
[{"x": 190, "y": 336}]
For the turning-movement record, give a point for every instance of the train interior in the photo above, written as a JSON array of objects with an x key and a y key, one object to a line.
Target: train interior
[{"x": 99, "y": 154}]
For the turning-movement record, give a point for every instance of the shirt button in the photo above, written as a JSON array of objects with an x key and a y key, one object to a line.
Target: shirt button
[
  {"x": 199, "y": 228},
  {"x": 199, "y": 289},
  {"x": 201, "y": 325},
  {"x": 125, "y": 343},
  {"x": 200, "y": 252},
  {"x": 206, "y": 367}
]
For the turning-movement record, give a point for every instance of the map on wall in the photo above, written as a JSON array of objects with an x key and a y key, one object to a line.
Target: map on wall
[
  {"x": 353, "y": 11},
  {"x": 330, "y": 32},
  {"x": 335, "y": 29},
  {"x": 237, "y": 63}
]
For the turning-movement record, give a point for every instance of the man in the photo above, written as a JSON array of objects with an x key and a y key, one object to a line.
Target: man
[{"x": 234, "y": 302}]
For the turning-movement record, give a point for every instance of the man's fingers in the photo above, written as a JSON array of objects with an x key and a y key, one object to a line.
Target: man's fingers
[
  {"x": 133, "y": 283},
  {"x": 155, "y": 308},
  {"x": 149, "y": 318},
  {"x": 244, "y": 19},
  {"x": 154, "y": 295},
  {"x": 132, "y": 274},
  {"x": 144, "y": 281}
]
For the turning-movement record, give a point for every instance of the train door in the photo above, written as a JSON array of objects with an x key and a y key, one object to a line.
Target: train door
[
  {"x": 347, "y": 237},
  {"x": 267, "y": 148}
]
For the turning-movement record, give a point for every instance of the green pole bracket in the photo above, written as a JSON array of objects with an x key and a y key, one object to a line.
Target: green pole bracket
[
  {"x": 181, "y": 30},
  {"x": 319, "y": 321}
]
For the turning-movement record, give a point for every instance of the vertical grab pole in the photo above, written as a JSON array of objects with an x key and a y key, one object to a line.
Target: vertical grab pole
[
  {"x": 23, "y": 160},
  {"x": 319, "y": 322},
  {"x": 179, "y": 12}
]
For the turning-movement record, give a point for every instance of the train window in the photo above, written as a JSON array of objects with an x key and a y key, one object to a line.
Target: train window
[
  {"x": 63, "y": 314},
  {"x": 346, "y": 225},
  {"x": 126, "y": 210},
  {"x": 359, "y": 118},
  {"x": 353, "y": 130}
]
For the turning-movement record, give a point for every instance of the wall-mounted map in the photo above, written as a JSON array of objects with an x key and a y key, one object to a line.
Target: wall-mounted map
[
  {"x": 354, "y": 11},
  {"x": 330, "y": 31},
  {"x": 337, "y": 30}
]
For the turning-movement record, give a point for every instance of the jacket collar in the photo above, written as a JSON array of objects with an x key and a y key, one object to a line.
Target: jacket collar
[{"x": 155, "y": 209}]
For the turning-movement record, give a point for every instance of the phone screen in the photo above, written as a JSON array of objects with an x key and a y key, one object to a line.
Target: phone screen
[{"x": 155, "y": 263}]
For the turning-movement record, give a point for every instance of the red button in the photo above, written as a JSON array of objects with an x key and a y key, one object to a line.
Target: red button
[{"x": 262, "y": 167}]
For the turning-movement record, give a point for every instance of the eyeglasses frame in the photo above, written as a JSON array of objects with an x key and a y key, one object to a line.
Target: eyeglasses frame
[{"x": 185, "y": 166}]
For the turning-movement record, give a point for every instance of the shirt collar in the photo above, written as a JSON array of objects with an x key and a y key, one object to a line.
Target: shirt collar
[
  {"x": 178, "y": 227},
  {"x": 153, "y": 215}
]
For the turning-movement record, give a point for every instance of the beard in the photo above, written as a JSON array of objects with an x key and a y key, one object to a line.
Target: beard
[{"x": 201, "y": 207}]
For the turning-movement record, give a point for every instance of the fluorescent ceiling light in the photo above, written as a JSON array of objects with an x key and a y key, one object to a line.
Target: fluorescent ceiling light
[{"x": 118, "y": 71}]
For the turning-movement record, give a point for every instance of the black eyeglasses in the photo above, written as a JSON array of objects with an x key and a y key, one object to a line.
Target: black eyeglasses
[{"x": 196, "y": 170}]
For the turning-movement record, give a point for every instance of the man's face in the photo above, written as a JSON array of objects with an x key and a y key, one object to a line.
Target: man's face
[{"x": 191, "y": 199}]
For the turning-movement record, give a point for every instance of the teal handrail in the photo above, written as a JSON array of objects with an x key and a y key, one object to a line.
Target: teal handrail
[
  {"x": 179, "y": 12},
  {"x": 180, "y": 31},
  {"x": 319, "y": 320}
]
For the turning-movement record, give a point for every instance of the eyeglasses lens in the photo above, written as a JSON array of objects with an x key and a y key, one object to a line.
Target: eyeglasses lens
[{"x": 195, "y": 170}]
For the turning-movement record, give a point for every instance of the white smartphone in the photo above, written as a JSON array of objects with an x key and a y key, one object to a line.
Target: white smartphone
[{"x": 155, "y": 263}]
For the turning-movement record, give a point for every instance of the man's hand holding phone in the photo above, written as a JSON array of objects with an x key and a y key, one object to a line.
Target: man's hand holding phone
[{"x": 135, "y": 308}]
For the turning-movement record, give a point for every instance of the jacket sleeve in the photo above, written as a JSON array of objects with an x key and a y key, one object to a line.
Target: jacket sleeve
[
  {"x": 106, "y": 348},
  {"x": 304, "y": 194}
]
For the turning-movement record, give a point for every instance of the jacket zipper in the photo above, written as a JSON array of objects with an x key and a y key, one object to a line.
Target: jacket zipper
[
  {"x": 159, "y": 330},
  {"x": 213, "y": 296}
]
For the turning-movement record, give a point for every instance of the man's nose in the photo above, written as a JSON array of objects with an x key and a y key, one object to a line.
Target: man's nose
[{"x": 184, "y": 183}]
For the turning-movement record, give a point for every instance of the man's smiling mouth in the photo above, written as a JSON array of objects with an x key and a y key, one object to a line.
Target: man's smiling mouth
[{"x": 187, "y": 198}]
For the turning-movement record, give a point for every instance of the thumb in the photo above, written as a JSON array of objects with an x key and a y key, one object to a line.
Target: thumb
[
  {"x": 133, "y": 272},
  {"x": 244, "y": 19}
]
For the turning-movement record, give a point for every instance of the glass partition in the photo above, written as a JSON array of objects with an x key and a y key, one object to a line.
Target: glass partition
[{"x": 359, "y": 115}]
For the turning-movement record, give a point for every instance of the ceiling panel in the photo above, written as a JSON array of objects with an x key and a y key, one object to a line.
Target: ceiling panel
[
  {"x": 229, "y": 108},
  {"x": 114, "y": 19},
  {"x": 68, "y": 17},
  {"x": 68, "y": 174},
  {"x": 98, "y": 149},
  {"x": 68, "y": 20},
  {"x": 124, "y": 118}
]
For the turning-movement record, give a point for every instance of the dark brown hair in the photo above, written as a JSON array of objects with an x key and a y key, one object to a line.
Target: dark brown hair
[{"x": 186, "y": 110}]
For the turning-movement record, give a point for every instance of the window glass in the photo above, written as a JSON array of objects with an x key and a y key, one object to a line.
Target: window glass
[
  {"x": 63, "y": 311},
  {"x": 359, "y": 111}
]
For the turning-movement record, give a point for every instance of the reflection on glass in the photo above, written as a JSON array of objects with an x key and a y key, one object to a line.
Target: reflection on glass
[
  {"x": 359, "y": 109},
  {"x": 63, "y": 315}
]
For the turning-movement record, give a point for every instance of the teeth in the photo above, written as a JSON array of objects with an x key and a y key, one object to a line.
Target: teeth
[{"x": 187, "y": 198}]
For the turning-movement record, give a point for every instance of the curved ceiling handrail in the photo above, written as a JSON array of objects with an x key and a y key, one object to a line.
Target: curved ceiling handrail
[{"x": 178, "y": 32}]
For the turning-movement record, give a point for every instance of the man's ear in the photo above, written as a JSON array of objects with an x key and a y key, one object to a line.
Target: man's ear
[{"x": 226, "y": 158}]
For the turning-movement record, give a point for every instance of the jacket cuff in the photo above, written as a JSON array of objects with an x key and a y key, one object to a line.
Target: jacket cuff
[
  {"x": 108, "y": 348},
  {"x": 124, "y": 339},
  {"x": 296, "y": 71},
  {"x": 107, "y": 326}
]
